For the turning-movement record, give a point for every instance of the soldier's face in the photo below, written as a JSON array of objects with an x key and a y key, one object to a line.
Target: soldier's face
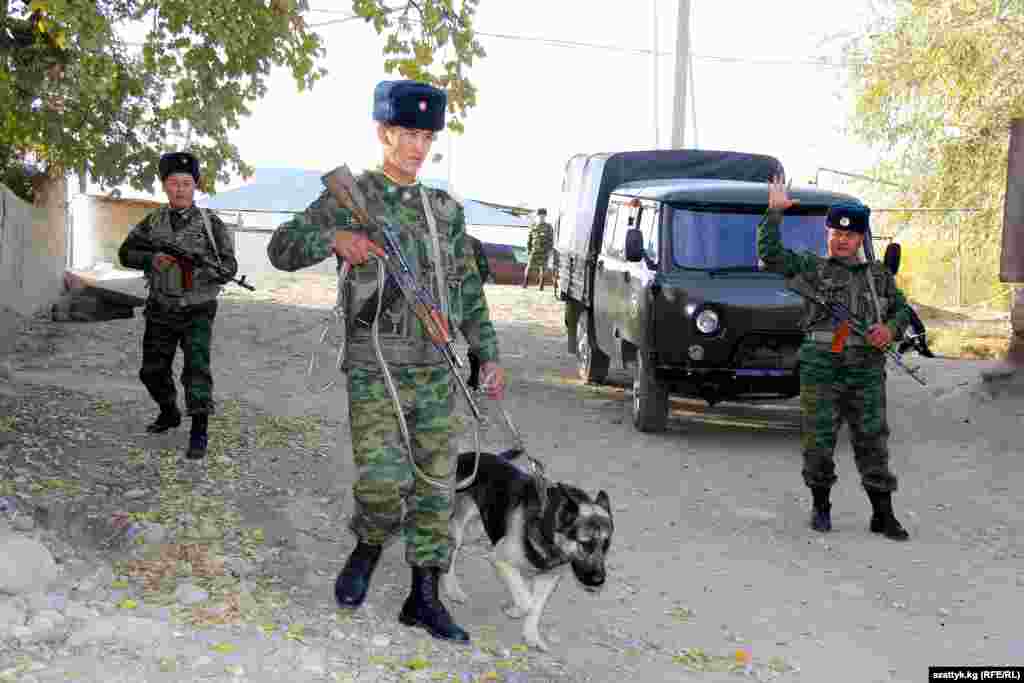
[
  {"x": 180, "y": 189},
  {"x": 405, "y": 149},
  {"x": 843, "y": 243}
]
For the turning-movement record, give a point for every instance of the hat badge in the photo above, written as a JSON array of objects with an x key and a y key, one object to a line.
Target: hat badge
[
  {"x": 423, "y": 105},
  {"x": 844, "y": 221}
]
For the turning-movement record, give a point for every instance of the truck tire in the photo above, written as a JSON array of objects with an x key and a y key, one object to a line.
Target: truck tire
[
  {"x": 650, "y": 397},
  {"x": 593, "y": 363}
]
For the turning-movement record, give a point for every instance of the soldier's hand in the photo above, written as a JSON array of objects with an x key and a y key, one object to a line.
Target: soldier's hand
[
  {"x": 162, "y": 262},
  {"x": 493, "y": 380},
  {"x": 778, "y": 198},
  {"x": 354, "y": 247},
  {"x": 879, "y": 335}
]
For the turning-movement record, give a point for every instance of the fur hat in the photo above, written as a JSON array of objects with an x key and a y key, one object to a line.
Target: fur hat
[
  {"x": 852, "y": 216},
  {"x": 409, "y": 104},
  {"x": 179, "y": 162}
]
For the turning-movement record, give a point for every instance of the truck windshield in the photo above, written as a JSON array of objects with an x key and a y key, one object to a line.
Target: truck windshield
[{"x": 715, "y": 239}]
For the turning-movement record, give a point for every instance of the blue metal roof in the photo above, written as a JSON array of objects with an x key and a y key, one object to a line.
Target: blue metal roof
[{"x": 287, "y": 190}]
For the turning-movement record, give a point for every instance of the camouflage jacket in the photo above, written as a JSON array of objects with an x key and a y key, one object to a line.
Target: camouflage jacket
[
  {"x": 482, "y": 265},
  {"x": 541, "y": 238},
  {"x": 834, "y": 280},
  {"x": 186, "y": 230},
  {"x": 306, "y": 240}
]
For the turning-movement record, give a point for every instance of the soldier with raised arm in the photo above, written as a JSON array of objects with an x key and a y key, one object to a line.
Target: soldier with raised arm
[{"x": 842, "y": 376}]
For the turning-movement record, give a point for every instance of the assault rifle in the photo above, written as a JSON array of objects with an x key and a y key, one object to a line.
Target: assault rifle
[
  {"x": 840, "y": 314},
  {"x": 190, "y": 260},
  {"x": 342, "y": 185}
]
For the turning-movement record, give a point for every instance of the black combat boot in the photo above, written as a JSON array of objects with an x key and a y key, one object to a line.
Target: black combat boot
[
  {"x": 821, "y": 513},
  {"x": 197, "y": 440},
  {"x": 423, "y": 608},
  {"x": 883, "y": 521},
  {"x": 354, "y": 580},
  {"x": 168, "y": 418}
]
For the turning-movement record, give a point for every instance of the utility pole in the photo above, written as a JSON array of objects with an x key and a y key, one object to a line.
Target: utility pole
[
  {"x": 682, "y": 74},
  {"x": 693, "y": 105},
  {"x": 657, "y": 128}
]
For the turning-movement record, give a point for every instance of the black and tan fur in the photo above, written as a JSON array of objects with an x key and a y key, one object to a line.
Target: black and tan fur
[{"x": 531, "y": 545}]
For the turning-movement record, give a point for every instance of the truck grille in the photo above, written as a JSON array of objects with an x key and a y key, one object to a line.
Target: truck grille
[{"x": 767, "y": 351}]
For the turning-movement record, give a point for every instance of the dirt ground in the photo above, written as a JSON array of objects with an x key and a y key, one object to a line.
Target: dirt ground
[{"x": 712, "y": 564}]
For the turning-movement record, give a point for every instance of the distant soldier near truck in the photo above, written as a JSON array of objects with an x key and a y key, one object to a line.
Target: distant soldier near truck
[{"x": 539, "y": 245}]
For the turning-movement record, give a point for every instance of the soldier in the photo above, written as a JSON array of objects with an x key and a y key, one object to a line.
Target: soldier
[
  {"x": 484, "y": 268},
  {"x": 842, "y": 381},
  {"x": 181, "y": 304},
  {"x": 408, "y": 114},
  {"x": 538, "y": 246}
]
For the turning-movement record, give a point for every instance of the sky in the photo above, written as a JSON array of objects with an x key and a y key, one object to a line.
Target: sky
[{"x": 538, "y": 104}]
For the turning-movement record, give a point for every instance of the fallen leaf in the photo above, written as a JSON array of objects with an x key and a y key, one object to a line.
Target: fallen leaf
[
  {"x": 223, "y": 648},
  {"x": 417, "y": 663},
  {"x": 128, "y": 603}
]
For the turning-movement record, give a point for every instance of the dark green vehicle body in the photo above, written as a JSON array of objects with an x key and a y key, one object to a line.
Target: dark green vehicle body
[{"x": 648, "y": 241}]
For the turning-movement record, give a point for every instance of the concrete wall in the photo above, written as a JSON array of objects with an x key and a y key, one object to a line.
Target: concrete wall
[
  {"x": 251, "y": 253},
  {"x": 33, "y": 253},
  {"x": 101, "y": 224}
]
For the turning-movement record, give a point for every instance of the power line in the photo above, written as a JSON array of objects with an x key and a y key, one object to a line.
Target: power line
[{"x": 562, "y": 42}]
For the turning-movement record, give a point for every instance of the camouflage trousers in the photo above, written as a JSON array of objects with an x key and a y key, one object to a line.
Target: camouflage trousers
[
  {"x": 389, "y": 497},
  {"x": 191, "y": 328},
  {"x": 536, "y": 261},
  {"x": 844, "y": 387}
]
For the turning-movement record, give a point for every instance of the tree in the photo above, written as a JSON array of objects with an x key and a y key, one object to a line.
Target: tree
[
  {"x": 76, "y": 93},
  {"x": 936, "y": 84}
]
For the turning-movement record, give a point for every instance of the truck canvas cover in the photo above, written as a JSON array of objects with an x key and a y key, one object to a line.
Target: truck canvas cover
[{"x": 590, "y": 179}]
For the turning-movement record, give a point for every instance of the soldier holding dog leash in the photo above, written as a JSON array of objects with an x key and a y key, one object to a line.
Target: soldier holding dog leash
[{"x": 432, "y": 240}]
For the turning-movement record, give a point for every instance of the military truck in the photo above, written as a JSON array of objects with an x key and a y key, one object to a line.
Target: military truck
[{"x": 658, "y": 269}]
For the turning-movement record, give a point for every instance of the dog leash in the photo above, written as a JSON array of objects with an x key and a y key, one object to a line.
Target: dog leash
[{"x": 337, "y": 318}]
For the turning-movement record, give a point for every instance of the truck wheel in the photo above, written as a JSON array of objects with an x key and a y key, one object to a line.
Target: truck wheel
[
  {"x": 650, "y": 397},
  {"x": 593, "y": 363}
]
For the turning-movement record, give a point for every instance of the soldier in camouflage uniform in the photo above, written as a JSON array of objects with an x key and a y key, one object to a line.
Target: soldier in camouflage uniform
[
  {"x": 842, "y": 381},
  {"x": 484, "y": 269},
  {"x": 179, "y": 313},
  {"x": 539, "y": 245},
  {"x": 408, "y": 116}
]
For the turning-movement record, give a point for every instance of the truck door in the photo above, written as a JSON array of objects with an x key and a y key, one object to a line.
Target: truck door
[
  {"x": 611, "y": 292},
  {"x": 640, "y": 275}
]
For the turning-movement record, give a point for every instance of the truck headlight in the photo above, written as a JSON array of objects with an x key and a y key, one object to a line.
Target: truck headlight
[{"x": 707, "y": 321}]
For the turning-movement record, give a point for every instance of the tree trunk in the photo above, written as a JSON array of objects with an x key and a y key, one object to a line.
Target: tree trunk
[{"x": 50, "y": 193}]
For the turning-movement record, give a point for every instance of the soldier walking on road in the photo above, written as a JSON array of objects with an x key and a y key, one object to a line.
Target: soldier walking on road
[
  {"x": 182, "y": 303},
  {"x": 432, "y": 238},
  {"x": 539, "y": 245},
  {"x": 842, "y": 378}
]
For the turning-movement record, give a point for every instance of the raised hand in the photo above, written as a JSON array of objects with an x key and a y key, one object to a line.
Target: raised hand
[{"x": 778, "y": 198}]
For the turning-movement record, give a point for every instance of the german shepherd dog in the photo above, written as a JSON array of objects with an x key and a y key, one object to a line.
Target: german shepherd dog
[{"x": 536, "y": 535}]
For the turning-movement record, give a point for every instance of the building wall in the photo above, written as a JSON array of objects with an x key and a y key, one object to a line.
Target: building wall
[
  {"x": 101, "y": 224},
  {"x": 33, "y": 252}
]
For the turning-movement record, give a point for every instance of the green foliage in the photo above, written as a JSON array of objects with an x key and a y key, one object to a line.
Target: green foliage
[
  {"x": 936, "y": 88},
  {"x": 16, "y": 175},
  {"x": 75, "y": 93}
]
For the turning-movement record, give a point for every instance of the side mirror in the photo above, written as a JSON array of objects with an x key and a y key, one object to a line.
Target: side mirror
[
  {"x": 892, "y": 257},
  {"x": 634, "y": 245}
]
